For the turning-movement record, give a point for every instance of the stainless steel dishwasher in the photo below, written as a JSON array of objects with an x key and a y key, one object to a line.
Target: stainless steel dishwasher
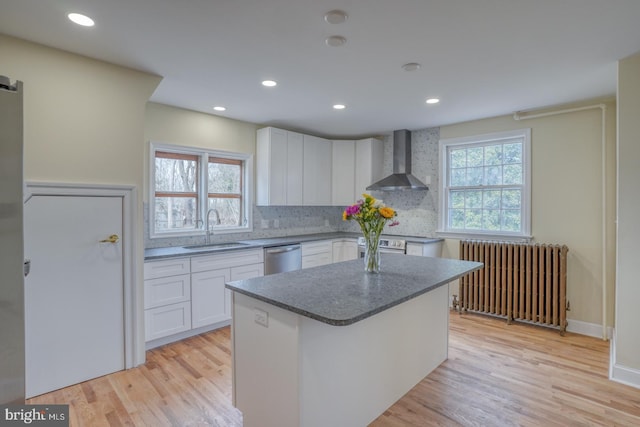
[{"x": 278, "y": 259}]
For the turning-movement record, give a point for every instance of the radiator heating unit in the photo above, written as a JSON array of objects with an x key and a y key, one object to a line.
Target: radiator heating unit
[{"x": 519, "y": 281}]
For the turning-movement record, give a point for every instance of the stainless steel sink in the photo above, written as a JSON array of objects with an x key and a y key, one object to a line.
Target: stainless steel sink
[{"x": 217, "y": 245}]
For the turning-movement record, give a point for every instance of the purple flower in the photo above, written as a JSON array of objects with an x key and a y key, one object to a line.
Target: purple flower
[
  {"x": 394, "y": 223},
  {"x": 352, "y": 210}
]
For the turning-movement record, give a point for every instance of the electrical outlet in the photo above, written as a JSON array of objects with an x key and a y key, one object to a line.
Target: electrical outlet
[
  {"x": 261, "y": 317},
  {"x": 276, "y": 223},
  {"x": 264, "y": 223},
  {"x": 326, "y": 222}
]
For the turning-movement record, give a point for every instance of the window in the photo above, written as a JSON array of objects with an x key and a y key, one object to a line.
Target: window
[
  {"x": 486, "y": 186},
  {"x": 189, "y": 183}
]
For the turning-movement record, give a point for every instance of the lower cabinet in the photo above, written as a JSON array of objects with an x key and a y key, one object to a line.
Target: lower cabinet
[
  {"x": 431, "y": 249},
  {"x": 208, "y": 301},
  {"x": 345, "y": 250},
  {"x": 317, "y": 253},
  {"x": 178, "y": 305}
]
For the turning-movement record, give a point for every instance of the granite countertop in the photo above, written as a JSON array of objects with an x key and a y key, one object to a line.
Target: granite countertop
[
  {"x": 342, "y": 294},
  {"x": 179, "y": 251}
]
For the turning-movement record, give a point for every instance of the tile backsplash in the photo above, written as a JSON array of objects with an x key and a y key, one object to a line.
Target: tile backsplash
[{"x": 417, "y": 210}]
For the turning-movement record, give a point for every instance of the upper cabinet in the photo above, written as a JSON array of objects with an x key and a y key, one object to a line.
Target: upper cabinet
[
  {"x": 316, "y": 171},
  {"x": 279, "y": 167},
  {"x": 368, "y": 164},
  {"x": 303, "y": 170},
  {"x": 343, "y": 173}
]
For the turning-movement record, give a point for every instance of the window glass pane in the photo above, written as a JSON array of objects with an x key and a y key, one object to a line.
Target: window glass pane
[
  {"x": 491, "y": 199},
  {"x": 473, "y": 199},
  {"x": 456, "y": 218},
  {"x": 511, "y": 220},
  {"x": 458, "y": 177},
  {"x": 475, "y": 156},
  {"x": 491, "y": 220},
  {"x": 513, "y": 174},
  {"x": 176, "y": 175},
  {"x": 224, "y": 178},
  {"x": 459, "y": 158},
  {"x": 513, "y": 153},
  {"x": 456, "y": 200},
  {"x": 473, "y": 219},
  {"x": 227, "y": 210},
  {"x": 511, "y": 199},
  {"x": 474, "y": 176},
  {"x": 175, "y": 213},
  {"x": 493, "y": 175},
  {"x": 493, "y": 155}
]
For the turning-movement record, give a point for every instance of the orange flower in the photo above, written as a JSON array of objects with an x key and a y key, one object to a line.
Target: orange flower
[{"x": 387, "y": 212}]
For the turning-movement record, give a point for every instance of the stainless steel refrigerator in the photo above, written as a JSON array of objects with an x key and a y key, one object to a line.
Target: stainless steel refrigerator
[{"x": 12, "y": 344}]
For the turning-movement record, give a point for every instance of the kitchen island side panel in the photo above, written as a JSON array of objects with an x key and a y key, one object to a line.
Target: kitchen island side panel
[
  {"x": 350, "y": 375},
  {"x": 299, "y": 372}
]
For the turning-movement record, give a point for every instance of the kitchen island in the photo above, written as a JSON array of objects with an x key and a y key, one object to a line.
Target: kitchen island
[{"x": 336, "y": 346}]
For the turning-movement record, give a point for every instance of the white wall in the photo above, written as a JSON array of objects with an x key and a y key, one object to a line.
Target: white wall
[
  {"x": 566, "y": 197},
  {"x": 626, "y": 355},
  {"x": 83, "y": 123}
]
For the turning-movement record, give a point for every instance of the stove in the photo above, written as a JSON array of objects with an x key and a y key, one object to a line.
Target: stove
[{"x": 385, "y": 244}]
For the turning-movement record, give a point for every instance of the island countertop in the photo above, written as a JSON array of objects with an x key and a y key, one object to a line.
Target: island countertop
[{"x": 341, "y": 294}]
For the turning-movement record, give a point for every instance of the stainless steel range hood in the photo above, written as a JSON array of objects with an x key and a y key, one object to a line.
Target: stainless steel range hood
[{"x": 401, "y": 179}]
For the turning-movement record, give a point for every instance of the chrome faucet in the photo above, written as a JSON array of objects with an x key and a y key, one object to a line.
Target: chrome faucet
[{"x": 207, "y": 228}]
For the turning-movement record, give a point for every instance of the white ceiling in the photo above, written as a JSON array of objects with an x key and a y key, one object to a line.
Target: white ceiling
[{"x": 481, "y": 57}]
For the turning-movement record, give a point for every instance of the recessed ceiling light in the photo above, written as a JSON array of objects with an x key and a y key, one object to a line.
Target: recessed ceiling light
[
  {"x": 269, "y": 83},
  {"x": 80, "y": 19},
  {"x": 433, "y": 101},
  {"x": 411, "y": 66},
  {"x": 335, "y": 17},
  {"x": 219, "y": 108},
  {"x": 335, "y": 41},
  {"x": 339, "y": 107}
]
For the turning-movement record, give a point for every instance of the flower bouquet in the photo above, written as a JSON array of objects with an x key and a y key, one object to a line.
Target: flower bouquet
[{"x": 371, "y": 215}]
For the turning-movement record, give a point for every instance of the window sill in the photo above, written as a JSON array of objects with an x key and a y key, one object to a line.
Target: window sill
[{"x": 484, "y": 236}]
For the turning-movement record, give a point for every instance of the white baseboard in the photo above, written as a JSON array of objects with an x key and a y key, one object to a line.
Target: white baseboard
[
  {"x": 619, "y": 373},
  {"x": 586, "y": 328}
]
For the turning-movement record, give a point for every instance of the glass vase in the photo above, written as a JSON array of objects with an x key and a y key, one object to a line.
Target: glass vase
[{"x": 372, "y": 253}]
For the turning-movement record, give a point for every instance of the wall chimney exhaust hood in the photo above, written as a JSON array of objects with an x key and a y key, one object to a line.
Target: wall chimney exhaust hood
[{"x": 401, "y": 179}]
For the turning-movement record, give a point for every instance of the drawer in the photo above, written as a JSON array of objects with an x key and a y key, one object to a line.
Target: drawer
[
  {"x": 247, "y": 271},
  {"x": 316, "y": 260},
  {"x": 167, "y": 290},
  {"x": 167, "y": 320},
  {"x": 312, "y": 248},
  {"x": 226, "y": 260},
  {"x": 166, "y": 267}
]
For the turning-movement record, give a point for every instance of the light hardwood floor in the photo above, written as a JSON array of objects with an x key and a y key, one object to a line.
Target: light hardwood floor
[{"x": 496, "y": 375}]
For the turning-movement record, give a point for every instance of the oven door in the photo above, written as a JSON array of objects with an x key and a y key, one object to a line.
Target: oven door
[{"x": 382, "y": 251}]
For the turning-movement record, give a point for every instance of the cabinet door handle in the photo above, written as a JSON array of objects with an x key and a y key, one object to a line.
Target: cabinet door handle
[{"x": 111, "y": 239}]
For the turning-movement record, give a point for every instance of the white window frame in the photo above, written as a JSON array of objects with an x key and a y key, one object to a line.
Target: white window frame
[
  {"x": 486, "y": 139},
  {"x": 203, "y": 154}
]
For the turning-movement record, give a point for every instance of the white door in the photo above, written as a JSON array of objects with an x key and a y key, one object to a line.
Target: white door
[{"x": 74, "y": 294}]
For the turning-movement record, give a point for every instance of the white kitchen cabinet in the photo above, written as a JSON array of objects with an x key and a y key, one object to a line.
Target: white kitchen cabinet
[
  {"x": 167, "y": 294},
  {"x": 208, "y": 299},
  {"x": 345, "y": 250},
  {"x": 431, "y": 249},
  {"x": 160, "y": 322},
  {"x": 279, "y": 162},
  {"x": 343, "y": 173},
  {"x": 368, "y": 164},
  {"x": 187, "y": 296},
  {"x": 317, "y": 253},
  {"x": 316, "y": 171}
]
